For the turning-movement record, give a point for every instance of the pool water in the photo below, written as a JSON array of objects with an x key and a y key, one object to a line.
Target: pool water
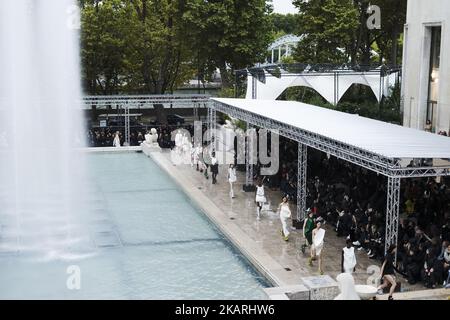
[{"x": 148, "y": 242}]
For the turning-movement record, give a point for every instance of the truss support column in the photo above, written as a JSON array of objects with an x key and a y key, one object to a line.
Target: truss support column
[
  {"x": 301, "y": 180},
  {"x": 127, "y": 125},
  {"x": 195, "y": 111},
  {"x": 392, "y": 212},
  {"x": 249, "y": 158},
  {"x": 212, "y": 120},
  {"x": 254, "y": 87},
  {"x": 214, "y": 123}
]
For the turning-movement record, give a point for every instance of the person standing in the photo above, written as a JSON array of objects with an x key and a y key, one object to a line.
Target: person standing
[
  {"x": 197, "y": 156},
  {"x": 388, "y": 272},
  {"x": 214, "y": 167},
  {"x": 308, "y": 227},
  {"x": 116, "y": 141},
  {"x": 285, "y": 215},
  {"x": 318, "y": 236},
  {"x": 206, "y": 161},
  {"x": 348, "y": 261},
  {"x": 428, "y": 126},
  {"x": 232, "y": 178},
  {"x": 260, "y": 198}
]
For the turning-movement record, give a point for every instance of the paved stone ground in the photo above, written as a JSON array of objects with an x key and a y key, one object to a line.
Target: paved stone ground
[{"x": 266, "y": 232}]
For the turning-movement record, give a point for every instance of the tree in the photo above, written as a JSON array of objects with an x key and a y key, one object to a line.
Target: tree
[
  {"x": 153, "y": 46},
  {"x": 328, "y": 29},
  {"x": 393, "y": 18},
  {"x": 285, "y": 23},
  {"x": 103, "y": 50},
  {"x": 229, "y": 34},
  {"x": 336, "y": 31},
  {"x": 160, "y": 58}
]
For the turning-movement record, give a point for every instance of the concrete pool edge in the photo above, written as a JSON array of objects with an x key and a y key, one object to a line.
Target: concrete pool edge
[{"x": 257, "y": 257}]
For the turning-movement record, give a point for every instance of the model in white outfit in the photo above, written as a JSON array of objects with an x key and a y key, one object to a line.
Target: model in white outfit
[
  {"x": 348, "y": 258},
  {"x": 197, "y": 155},
  {"x": 178, "y": 142},
  {"x": 317, "y": 247},
  {"x": 285, "y": 215},
  {"x": 260, "y": 199},
  {"x": 116, "y": 142},
  {"x": 347, "y": 287},
  {"x": 232, "y": 178}
]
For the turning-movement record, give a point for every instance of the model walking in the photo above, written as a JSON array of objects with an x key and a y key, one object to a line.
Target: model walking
[
  {"x": 214, "y": 168},
  {"x": 388, "y": 272},
  {"x": 260, "y": 198},
  {"x": 308, "y": 227},
  {"x": 232, "y": 178},
  {"x": 116, "y": 142},
  {"x": 285, "y": 215},
  {"x": 206, "y": 159},
  {"x": 348, "y": 261},
  {"x": 318, "y": 236}
]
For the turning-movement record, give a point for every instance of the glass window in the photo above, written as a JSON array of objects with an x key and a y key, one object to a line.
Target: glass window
[{"x": 433, "y": 89}]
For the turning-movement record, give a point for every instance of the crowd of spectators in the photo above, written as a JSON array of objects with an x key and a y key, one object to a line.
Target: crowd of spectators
[
  {"x": 104, "y": 137},
  {"x": 353, "y": 201}
]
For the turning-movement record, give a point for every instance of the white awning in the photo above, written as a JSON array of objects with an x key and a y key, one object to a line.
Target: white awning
[
  {"x": 323, "y": 83},
  {"x": 385, "y": 139}
]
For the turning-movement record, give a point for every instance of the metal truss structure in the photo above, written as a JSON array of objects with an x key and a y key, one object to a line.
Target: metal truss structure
[
  {"x": 211, "y": 123},
  {"x": 196, "y": 116},
  {"x": 277, "y": 70},
  {"x": 392, "y": 212},
  {"x": 123, "y": 104},
  {"x": 388, "y": 167},
  {"x": 338, "y": 71},
  {"x": 301, "y": 181},
  {"x": 391, "y": 168},
  {"x": 146, "y": 101},
  {"x": 249, "y": 158},
  {"x": 254, "y": 88},
  {"x": 127, "y": 125}
]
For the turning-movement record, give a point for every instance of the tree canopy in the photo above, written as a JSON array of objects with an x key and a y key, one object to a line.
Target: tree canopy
[
  {"x": 335, "y": 31},
  {"x": 153, "y": 46}
]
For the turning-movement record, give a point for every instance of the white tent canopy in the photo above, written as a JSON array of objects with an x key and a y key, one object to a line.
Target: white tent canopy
[
  {"x": 381, "y": 138},
  {"x": 323, "y": 83}
]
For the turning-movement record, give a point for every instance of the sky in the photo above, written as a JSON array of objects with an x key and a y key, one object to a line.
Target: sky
[{"x": 284, "y": 6}]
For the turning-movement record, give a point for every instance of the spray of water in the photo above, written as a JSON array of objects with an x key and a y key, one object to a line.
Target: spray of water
[{"x": 41, "y": 176}]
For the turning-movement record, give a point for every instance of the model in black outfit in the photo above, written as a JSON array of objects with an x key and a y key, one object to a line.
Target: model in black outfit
[{"x": 388, "y": 272}]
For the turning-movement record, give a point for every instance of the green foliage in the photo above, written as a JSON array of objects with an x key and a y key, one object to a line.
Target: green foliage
[
  {"x": 104, "y": 34},
  {"x": 286, "y": 23},
  {"x": 328, "y": 27},
  {"x": 229, "y": 34},
  {"x": 355, "y": 101},
  {"x": 282, "y": 24},
  {"x": 226, "y": 93},
  {"x": 336, "y": 31},
  {"x": 306, "y": 95},
  {"x": 153, "y": 46}
]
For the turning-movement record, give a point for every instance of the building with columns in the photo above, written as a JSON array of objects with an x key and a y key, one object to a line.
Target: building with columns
[
  {"x": 426, "y": 66},
  {"x": 282, "y": 48}
]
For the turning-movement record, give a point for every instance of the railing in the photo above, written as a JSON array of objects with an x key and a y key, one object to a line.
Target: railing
[{"x": 144, "y": 101}]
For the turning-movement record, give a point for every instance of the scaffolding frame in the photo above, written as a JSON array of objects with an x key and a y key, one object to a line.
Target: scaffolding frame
[
  {"x": 146, "y": 101},
  {"x": 391, "y": 168},
  {"x": 301, "y": 181},
  {"x": 249, "y": 157},
  {"x": 211, "y": 125},
  {"x": 392, "y": 213},
  {"x": 127, "y": 124}
]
